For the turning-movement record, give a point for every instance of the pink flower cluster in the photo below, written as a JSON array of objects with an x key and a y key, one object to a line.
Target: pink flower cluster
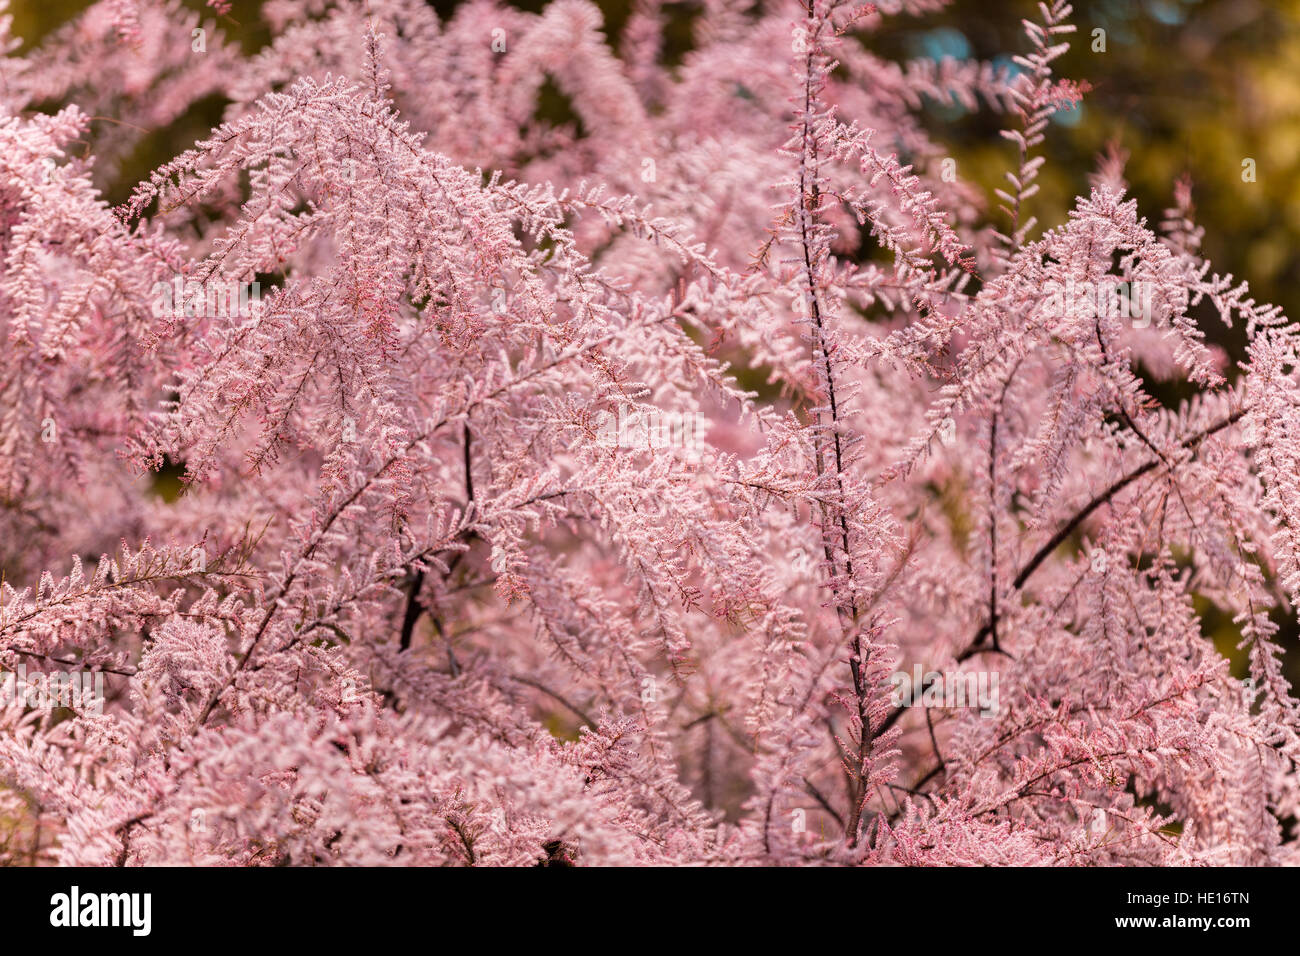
[{"x": 415, "y": 606}]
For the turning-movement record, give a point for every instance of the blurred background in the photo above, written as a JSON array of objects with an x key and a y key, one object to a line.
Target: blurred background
[{"x": 1185, "y": 87}]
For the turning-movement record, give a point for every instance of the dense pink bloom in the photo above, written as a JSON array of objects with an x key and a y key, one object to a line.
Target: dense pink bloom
[{"x": 597, "y": 493}]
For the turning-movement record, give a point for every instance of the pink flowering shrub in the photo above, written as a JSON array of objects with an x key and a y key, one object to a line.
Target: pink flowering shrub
[{"x": 711, "y": 478}]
